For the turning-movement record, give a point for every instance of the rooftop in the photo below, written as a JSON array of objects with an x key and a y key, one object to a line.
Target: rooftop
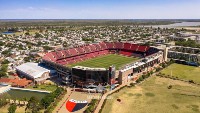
[{"x": 32, "y": 69}]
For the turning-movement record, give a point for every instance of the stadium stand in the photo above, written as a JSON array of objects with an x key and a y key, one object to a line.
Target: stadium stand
[
  {"x": 127, "y": 46},
  {"x": 126, "y": 53},
  {"x": 84, "y": 52},
  {"x": 119, "y": 45}
]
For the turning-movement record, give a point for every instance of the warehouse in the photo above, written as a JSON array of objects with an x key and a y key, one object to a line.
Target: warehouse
[{"x": 33, "y": 72}]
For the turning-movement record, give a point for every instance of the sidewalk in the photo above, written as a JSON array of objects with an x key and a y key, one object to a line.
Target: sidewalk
[
  {"x": 105, "y": 95},
  {"x": 63, "y": 101}
]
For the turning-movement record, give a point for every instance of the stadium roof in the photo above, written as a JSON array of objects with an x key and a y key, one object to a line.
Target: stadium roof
[{"x": 32, "y": 69}]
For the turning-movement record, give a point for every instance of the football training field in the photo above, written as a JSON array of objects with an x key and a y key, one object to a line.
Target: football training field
[{"x": 106, "y": 61}]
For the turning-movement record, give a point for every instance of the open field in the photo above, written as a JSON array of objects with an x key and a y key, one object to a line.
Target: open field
[
  {"x": 153, "y": 96},
  {"x": 20, "y": 109},
  {"x": 45, "y": 87},
  {"x": 106, "y": 61},
  {"x": 183, "y": 72}
]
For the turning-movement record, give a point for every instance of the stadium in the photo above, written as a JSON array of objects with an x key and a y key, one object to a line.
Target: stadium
[{"x": 103, "y": 63}]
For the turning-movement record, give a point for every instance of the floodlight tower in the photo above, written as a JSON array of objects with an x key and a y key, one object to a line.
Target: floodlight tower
[{"x": 165, "y": 54}]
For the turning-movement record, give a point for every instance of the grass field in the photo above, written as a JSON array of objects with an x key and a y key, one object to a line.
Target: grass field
[
  {"x": 153, "y": 96},
  {"x": 183, "y": 72},
  {"x": 44, "y": 87},
  {"x": 106, "y": 61}
]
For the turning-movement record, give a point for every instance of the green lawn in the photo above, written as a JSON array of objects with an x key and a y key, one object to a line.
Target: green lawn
[
  {"x": 183, "y": 72},
  {"x": 153, "y": 96},
  {"x": 106, "y": 61},
  {"x": 46, "y": 87}
]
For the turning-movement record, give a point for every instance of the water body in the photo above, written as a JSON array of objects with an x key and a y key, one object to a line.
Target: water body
[
  {"x": 7, "y": 33},
  {"x": 21, "y": 94},
  {"x": 182, "y": 24}
]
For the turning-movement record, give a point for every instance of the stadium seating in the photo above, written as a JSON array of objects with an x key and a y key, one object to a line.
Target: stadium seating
[
  {"x": 109, "y": 45},
  {"x": 97, "y": 46},
  {"x": 84, "y": 52},
  {"x": 48, "y": 57},
  {"x": 64, "y": 53},
  {"x": 80, "y": 50},
  {"x": 126, "y": 53},
  {"x": 92, "y": 48},
  {"x": 127, "y": 46},
  {"x": 134, "y": 47},
  {"x": 90, "y": 55},
  {"x": 88, "y": 49},
  {"x": 54, "y": 55},
  {"x": 59, "y": 54},
  {"x": 119, "y": 45},
  {"x": 142, "y": 48},
  {"x": 103, "y": 46}
]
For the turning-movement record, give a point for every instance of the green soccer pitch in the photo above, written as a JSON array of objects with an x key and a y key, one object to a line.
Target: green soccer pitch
[{"x": 106, "y": 61}]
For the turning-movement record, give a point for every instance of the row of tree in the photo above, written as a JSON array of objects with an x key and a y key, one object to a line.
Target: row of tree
[
  {"x": 92, "y": 106},
  {"x": 188, "y": 43},
  {"x": 144, "y": 76},
  {"x": 3, "y": 70},
  {"x": 34, "y": 105}
]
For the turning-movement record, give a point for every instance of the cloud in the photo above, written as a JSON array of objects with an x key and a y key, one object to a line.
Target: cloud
[{"x": 130, "y": 11}]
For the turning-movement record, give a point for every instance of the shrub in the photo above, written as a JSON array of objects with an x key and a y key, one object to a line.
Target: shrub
[
  {"x": 132, "y": 84},
  {"x": 3, "y": 102},
  {"x": 191, "y": 81},
  {"x": 150, "y": 94},
  {"x": 169, "y": 87},
  {"x": 143, "y": 76},
  {"x": 48, "y": 99},
  {"x": 35, "y": 86},
  {"x": 91, "y": 106},
  {"x": 12, "y": 108}
]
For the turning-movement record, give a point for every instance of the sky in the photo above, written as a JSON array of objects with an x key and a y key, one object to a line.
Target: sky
[{"x": 99, "y": 9}]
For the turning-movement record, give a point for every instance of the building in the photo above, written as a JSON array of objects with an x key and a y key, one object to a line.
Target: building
[
  {"x": 33, "y": 72},
  {"x": 184, "y": 55},
  {"x": 134, "y": 70},
  {"x": 83, "y": 76},
  {"x": 16, "y": 82}
]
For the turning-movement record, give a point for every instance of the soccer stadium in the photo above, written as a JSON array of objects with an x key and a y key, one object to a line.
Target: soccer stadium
[{"x": 103, "y": 63}]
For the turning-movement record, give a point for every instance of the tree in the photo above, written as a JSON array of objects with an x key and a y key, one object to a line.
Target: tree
[
  {"x": 5, "y": 62},
  {"x": 3, "y": 102},
  {"x": 24, "y": 100},
  {"x": 6, "y": 52},
  {"x": 27, "y": 33},
  {"x": 1, "y": 43},
  {"x": 4, "y": 68},
  {"x": 2, "y": 74},
  {"x": 33, "y": 105},
  {"x": 47, "y": 48},
  {"x": 65, "y": 44},
  {"x": 27, "y": 59},
  {"x": 12, "y": 108},
  {"x": 37, "y": 35}
]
